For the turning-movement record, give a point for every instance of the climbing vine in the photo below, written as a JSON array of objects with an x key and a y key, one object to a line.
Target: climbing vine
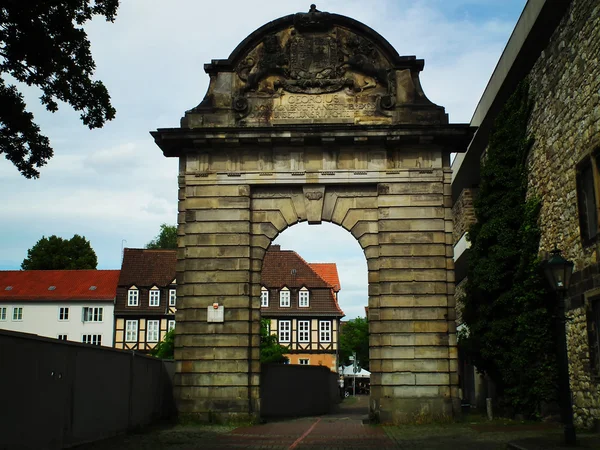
[{"x": 506, "y": 307}]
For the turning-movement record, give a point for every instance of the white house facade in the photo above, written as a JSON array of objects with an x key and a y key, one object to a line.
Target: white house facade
[
  {"x": 89, "y": 322},
  {"x": 73, "y": 305}
]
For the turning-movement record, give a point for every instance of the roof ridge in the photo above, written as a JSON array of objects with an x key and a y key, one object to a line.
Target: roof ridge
[{"x": 308, "y": 265}]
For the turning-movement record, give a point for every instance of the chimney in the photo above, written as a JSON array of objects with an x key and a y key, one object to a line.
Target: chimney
[{"x": 275, "y": 248}]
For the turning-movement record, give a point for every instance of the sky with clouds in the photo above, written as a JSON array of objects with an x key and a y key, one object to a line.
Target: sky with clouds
[{"x": 114, "y": 186}]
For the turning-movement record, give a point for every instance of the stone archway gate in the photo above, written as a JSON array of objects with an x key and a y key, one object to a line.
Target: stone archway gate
[{"x": 315, "y": 117}]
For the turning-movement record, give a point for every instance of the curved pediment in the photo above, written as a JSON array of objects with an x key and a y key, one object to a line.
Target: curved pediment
[{"x": 314, "y": 67}]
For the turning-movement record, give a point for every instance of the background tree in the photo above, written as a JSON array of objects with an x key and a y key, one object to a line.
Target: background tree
[
  {"x": 354, "y": 337},
  {"x": 42, "y": 43},
  {"x": 165, "y": 349},
  {"x": 166, "y": 239},
  {"x": 270, "y": 350},
  {"x": 510, "y": 335},
  {"x": 56, "y": 253}
]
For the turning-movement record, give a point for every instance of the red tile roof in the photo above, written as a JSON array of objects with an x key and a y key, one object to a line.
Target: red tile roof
[
  {"x": 23, "y": 285},
  {"x": 328, "y": 271},
  {"x": 287, "y": 268},
  {"x": 142, "y": 267}
]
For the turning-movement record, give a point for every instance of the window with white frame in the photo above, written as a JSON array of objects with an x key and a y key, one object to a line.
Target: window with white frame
[
  {"x": 284, "y": 328},
  {"x": 94, "y": 339},
  {"x": 171, "y": 325},
  {"x": 154, "y": 296},
  {"x": 304, "y": 361},
  {"x": 303, "y": 298},
  {"x": 284, "y": 298},
  {"x": 303, "y": 331},
  {"x": 264, "y": 297},
  {"x": 17, "y": 313},
  {"x": 325, "y": 331},
  {"x": 63, "y": 313},
  {"x": 62, "y": 337},
  {"x": 153, "y": 331},
  {"x": 3, "y": 313},
  {"x": 133, "y": 297},
  {"x": 172, "y": 297},
  {"x": 93, "y": 314},
  {"x": 131, "y": 330}
]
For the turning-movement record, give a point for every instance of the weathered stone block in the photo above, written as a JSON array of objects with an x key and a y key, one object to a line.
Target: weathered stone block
[
  {"x": 431, "y": 352},
  {"x": 423, "y": 379}
]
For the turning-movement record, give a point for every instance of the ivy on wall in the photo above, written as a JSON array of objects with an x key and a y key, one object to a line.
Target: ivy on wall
[{"x": 506, "y": 307}]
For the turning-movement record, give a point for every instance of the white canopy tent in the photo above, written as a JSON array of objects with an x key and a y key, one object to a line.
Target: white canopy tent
[{"x": 348, "y": 371}]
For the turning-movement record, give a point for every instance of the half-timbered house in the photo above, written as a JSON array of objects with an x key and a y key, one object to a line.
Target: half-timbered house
[
  {"x": 146, "y": 298},
  {"x": 300, "y": 301}
]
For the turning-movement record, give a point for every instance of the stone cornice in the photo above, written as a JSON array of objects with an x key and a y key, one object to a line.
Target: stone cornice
[{"x": 176, "y": 141}]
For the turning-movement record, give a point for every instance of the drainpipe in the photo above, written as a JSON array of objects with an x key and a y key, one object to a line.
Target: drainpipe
[{"x": 250, "y": 408}]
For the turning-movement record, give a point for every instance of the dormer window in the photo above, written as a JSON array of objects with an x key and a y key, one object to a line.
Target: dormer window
[
  {"x": 264, "y": 297},
  {"x": 284, "y": 298},
  {"x": 133, "y": 296},
  {"x": 303, "y": 298},
  {"x": 155, "y": 296}
]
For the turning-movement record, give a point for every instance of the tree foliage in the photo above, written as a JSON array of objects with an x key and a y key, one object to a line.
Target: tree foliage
[
  {"x": 56, "y": 253},
  {"x": 165, "y": 349},
  {"x": 354, "y": 337},
  {"x": 166, "y": 238},
  {"x": 270, "y": 349},
  {"x": 42, "y": 43},
  {"x": 505, "y": 305}
]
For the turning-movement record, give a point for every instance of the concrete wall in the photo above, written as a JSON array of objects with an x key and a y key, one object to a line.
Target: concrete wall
[
  {"x": 288, "y": 390},
  {"x": 58, "y": 394},
  {"x": 42, "y": 318}
]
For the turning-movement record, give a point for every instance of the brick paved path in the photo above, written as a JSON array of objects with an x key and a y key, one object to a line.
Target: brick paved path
[{"x": 343, "y": 430}]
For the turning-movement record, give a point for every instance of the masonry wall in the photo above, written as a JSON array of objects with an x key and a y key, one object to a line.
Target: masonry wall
[
  {"x": 402, "y": 220},
  {"x": 59, "y": 394},
  {"x": 463, "y": 213},
  {"x": 565, "y": 122}
]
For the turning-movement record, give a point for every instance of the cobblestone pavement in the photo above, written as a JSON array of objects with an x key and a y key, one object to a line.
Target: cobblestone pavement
[{"x": 343, "y": 430}]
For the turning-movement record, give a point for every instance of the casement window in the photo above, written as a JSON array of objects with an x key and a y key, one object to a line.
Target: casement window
[
  {"x": 325, "y": 331},
  {"x": 154, "y": 297},
  {"x": 264, "y": 297},
  {"x": 172, "y": 297},
  {"x": 284, "y": 327},
  {"x": 153, "y": 331},
  {"x": 133, "y": 297},
  {"x": 62, "y": 337},
  {"x": 303, "y": 331},
  {"x": 94, "y": 339},
  {"x": 593, "y": 324},
  {"x": 3, "y": 313},
  {"x": 284, "y": 298},
  {"x": 303, "y": 298},
  {"x": 588, "y": 182},
  {"x": 17, "y": 314},
  {"x": 171, "y": 325},
  {"x": 131, "y": 331},
  {"x": 304, "y": 361},
  {"x": 93, "y": 314},
  {"x": 63, "y": 313}
]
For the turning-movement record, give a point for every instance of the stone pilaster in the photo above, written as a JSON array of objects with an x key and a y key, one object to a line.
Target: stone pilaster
[
  {"x": 413, "y": 363},
  {"x": 217, "y": 370}
]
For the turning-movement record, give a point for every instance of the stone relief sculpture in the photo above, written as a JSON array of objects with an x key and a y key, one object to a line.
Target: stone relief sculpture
[{"x": 314, "y": 67}]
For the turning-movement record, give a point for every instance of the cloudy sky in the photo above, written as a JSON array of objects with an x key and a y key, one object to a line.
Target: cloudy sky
[{"x": 114, "y": 186}]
